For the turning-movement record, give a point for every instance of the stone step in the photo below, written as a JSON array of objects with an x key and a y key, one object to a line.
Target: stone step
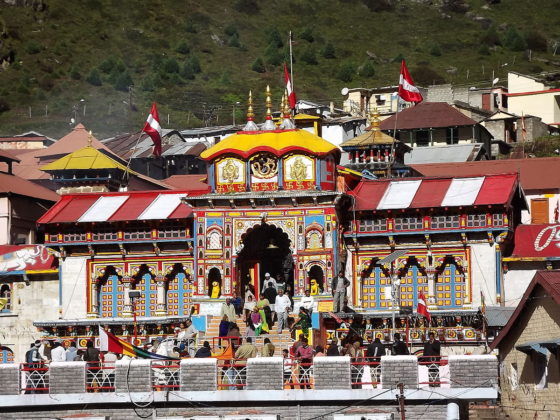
[{"x": 280, "y": 341}]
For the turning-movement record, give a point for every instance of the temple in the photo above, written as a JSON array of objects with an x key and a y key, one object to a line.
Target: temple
[{"x": 280, "y": 203}]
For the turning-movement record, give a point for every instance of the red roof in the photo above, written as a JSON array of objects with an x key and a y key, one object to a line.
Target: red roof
[
  {"x": 76, "y": 139},
  {"x": 12, "y": 184},
  {"x": 118, "y": 206},
  {"x": 536, "y": 242},
  {"x": 549, "y": 280},
  {"x": 406, "y": 193},
  {"x": 535, "y": 174},
  {"x": 193, "y": 182},
  {"x": 427, "y": 115}
]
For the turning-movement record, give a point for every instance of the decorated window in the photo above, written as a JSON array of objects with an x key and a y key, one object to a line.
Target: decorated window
[
  {"x": 172, "y": 232},
  {"x": 104, "y": 234},
  {"x": 147, "y": 302},
  {"x": 408, "y": 223},
  {"x": 476, "y": 220},
  {"x": 498, "y": 219},
  {"x": 5, "y": 298},
  {"x": 72, "y": 237},
  {"x": 137, "y": 234},
  {"x": 373, "y": 225},
  {"x": 214, "y": 239},
  {"x": 111, "y": 297},
  {"x": 314, "y": 239},
  {"x": 179, "y": 295},
  {"x": 445, "y": 222}
]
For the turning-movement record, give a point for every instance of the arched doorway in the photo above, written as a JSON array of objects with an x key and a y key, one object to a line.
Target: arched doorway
[
  {"x": 266, "y": 249},
  {"x": 316, "y": 278}
]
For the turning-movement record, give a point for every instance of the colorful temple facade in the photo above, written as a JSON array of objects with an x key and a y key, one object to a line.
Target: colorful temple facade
[{"x": 280, "y": 204}]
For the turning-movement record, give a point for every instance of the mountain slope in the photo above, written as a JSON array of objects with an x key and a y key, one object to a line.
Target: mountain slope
[{"x": 197, "y": 59}]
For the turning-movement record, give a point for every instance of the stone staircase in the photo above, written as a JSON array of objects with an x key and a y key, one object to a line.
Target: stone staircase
[
  {"x": 280, "y": 341},
  {"x": 486, "y": 412}
]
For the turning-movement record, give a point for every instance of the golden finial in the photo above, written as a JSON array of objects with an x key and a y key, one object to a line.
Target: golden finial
[
  {"x": 89, "y": 139},
  {"x": 287, "y": 111},
  {"x": 268, "y": 103},
  {"x": 374, "y": 120},
  {"x": 250, "y": 114}
]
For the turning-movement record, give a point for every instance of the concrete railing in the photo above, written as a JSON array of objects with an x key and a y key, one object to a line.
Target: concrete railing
[{"x": 266, "y": 373}]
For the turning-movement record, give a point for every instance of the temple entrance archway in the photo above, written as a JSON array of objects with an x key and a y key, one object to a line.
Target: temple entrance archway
[{"x": 266, "y": 249}]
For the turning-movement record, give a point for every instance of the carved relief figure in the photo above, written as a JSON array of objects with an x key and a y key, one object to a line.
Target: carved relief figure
[
  {"x": 230, "y": 172},
  {"x": 298, "y": 170},
  {"x": 264, "y": 166}
]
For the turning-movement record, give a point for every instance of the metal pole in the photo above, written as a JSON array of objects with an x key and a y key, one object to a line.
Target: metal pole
[
  {"x": 135, "y": 323},
  {"x": 401, "y": 400}
]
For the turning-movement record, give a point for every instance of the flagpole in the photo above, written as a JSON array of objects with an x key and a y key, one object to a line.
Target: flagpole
[
  {"x": 391, "y": 158},
  {"x": 291, "y": 68},
  {"x": 132, "y": 154}
]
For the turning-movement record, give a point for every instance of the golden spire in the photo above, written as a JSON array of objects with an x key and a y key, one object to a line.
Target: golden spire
[
  {"x": 250, "y": 126},
  {"x": 89, "y": 139},
  {"x": 287, "y": 113},
  {"x": 250, "y": 114},
  {"x": 374, "y": 120},
  {"x": 268, "y": 124},
  {"x": 287, "y": 123},
  {"x": 268, "y": 103}
]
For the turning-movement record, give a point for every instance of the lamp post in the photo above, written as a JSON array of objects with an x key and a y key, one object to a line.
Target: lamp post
[
  {"x": 395, "y": 296},
  {"x": 236, "y": 103},
  {"x": 133, "y": 295}
]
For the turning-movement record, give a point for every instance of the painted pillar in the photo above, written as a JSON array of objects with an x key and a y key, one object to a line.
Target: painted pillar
[
  {"x": 127, "y": 306},
  {"x": 161, "y": 302},
  {"x": 94, "y": 297},
  {"x": 499, "y": 273}
]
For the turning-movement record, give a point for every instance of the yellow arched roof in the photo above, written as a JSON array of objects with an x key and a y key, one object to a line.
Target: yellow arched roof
[{"x": 278, "y": 142}]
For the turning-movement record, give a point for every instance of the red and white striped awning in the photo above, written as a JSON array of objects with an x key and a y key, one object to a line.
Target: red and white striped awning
[
  {"x": 405, "y": 193},
  {"x": 114, "y": 207}
]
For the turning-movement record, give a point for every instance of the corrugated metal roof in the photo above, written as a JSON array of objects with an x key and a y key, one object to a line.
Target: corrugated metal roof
[
  {"x": 498, "y": 316},
  {"x": 423, "y": 193},
  {"x": 427, "y": 115},
  {"x": 144, "y": 205},
  {"x": 443, "y": 154}
]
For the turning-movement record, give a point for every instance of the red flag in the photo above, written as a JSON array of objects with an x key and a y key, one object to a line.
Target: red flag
[
  {"x": 291, "y": 93},
  {"x": 407, "y": 90},
  {"x": 153, "y": 129},
  {"x": 422, "y": 308}
]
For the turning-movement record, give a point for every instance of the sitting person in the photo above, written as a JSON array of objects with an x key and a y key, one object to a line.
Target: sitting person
[{"x": 204, "y": 351}]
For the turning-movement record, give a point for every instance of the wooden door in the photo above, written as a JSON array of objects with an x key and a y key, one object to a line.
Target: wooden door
[{"x": 539, "y": 211}]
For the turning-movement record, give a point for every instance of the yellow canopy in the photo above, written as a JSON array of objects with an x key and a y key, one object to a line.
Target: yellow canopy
[
  {"x": 278, "y": 142},
  {"x": 85, "y": 158}
]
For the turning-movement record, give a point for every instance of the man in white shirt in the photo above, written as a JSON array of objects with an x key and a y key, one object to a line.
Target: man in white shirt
[
  {"x": 308, "y": 301},
  {"x": 58, "y": 353},
  {"x": 267, "y": 280},
  {"x": 282, "y": 305},
  {"x": 188, "y": 336}
]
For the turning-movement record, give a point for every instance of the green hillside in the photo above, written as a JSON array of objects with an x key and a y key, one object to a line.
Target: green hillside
[{"x": 198, "y": 58}]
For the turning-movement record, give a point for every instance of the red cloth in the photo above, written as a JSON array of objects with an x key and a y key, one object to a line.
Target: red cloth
[
  {"x": 153, "y": 129},
  {"x": 407, "y": 90}
]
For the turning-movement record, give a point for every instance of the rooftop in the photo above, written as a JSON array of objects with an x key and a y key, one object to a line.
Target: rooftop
[
  {"x": 12, "y": 184},
  {"x": 535, "y": 174},
  {"x": 549, "y": 280},
  {"x": 278, "y": 142},
  {"x": 427, "y": 115}
]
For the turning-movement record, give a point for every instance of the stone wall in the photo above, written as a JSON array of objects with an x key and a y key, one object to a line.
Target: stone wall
[
  {"x": 67, "y": 377},
  {"x": 137, "y": 395},
  {"x": 263, "y": 373}
]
